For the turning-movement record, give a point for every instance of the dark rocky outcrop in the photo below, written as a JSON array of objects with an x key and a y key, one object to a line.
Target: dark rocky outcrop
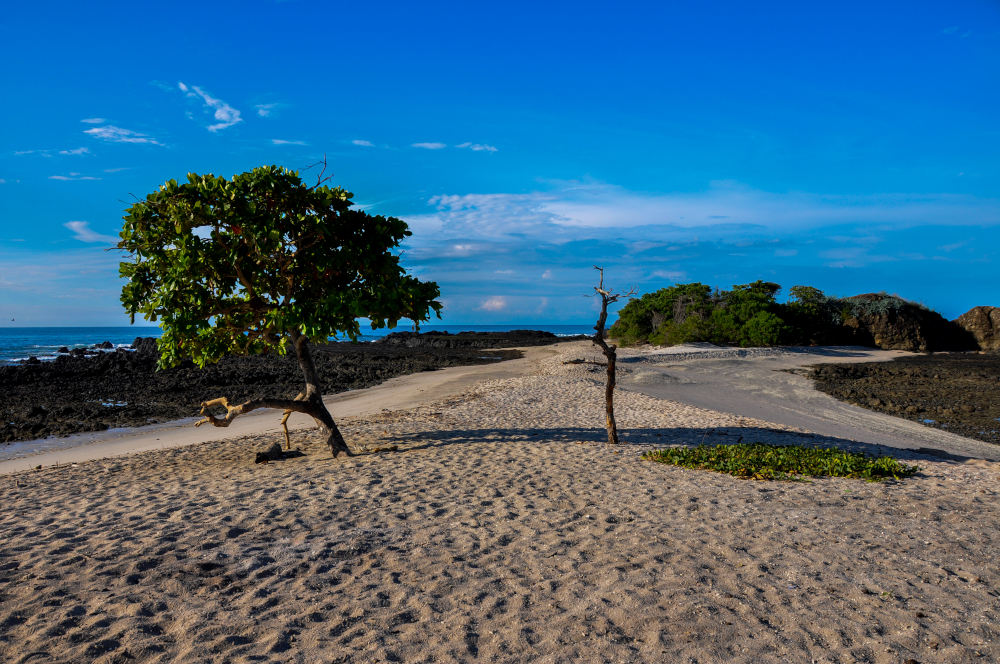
[
  {"x": 93, "y": 391},
  {"x": 892, "y": 323},
  {"x": 953, "y": 391},
  {"x": 145, "y": 347},
  {"x": 983, "y": 323}
]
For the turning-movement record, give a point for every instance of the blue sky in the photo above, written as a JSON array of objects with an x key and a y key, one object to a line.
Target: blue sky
[{"x": 849, "y": 146}]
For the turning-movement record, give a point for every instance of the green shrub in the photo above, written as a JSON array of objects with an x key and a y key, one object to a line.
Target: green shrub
[
  {"x": 763, "y": 329},
  {"x": 723, "y": 327},
  {"x": 761, "y": 461},
  {"x": 641, "y": 318},
  {"x": 694, "y": 328}
]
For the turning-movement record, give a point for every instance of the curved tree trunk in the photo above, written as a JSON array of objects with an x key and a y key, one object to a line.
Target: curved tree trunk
[
  {"x": 309, "y": 402},
  {"x": 609, "y": 389},
  {"x": 610, "y": 353},
  {"x": 313, "y": 397}
]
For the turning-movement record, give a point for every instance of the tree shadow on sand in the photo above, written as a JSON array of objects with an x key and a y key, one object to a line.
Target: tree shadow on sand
[{"x": 653, "y": 438}]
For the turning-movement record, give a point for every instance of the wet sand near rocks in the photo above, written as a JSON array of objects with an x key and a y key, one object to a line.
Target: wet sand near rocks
[{"x": 501, "y": 530}]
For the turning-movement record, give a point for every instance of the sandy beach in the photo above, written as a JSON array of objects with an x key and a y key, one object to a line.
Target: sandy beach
[{"x": 501, "y": 529}]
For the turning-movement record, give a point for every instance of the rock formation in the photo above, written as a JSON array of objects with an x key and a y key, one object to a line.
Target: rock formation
[
  {"x": 983, "y": 323},
  {"x": 892, "y": 323}
]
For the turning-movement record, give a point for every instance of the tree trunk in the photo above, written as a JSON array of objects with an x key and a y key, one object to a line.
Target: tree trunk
[
  {"x": 314, "y": 397},
  {"x": 609, "y": 352},
  {"x": 609, "y": 396},
  {"x": 612, "y": 356}
]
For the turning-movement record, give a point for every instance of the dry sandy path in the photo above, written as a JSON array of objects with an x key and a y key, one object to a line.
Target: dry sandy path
[{"x": 757, "y": 383}]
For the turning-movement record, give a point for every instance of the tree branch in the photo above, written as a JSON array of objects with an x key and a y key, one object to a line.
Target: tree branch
[
  {"x": 232, "y": 412},
  {"x": 319, "y": 178}
]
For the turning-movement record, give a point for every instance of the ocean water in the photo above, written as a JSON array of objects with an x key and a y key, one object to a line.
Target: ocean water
[{"x": 20, "y": 343}]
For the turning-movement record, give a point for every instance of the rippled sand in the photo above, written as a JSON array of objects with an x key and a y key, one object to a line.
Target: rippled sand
[{"x": 502, "y": 529}]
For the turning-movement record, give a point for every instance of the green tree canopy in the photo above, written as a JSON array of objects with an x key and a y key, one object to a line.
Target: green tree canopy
[{"x": 259, "y": 262}]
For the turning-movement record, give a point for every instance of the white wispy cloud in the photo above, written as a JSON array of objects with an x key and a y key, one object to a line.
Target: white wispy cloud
[
  {"x": 83, "y": 233},
  {"x": 576, "y": 206},
  {"x": 477, "y": 147},
  {"x": 363, "y": 143},
  {"x": 117, "y": 170},
  {"x": 281, "y": 141},
  {"x": 429, "y": 146},
  {"x": 671, "y": 275},
  {"x": 547, "y": 274},
  {"x": 75, "y": 152},
  {"x": 495, "y": 303},
  {"x": 73, "y": 176},
  {"x": 606, "y": 206},
  {"x": 225, "y": 115},
  {"x": 115, "y": 134},
  {"x": 93, "y": 120},
  {"x": 266, "y": 110}
]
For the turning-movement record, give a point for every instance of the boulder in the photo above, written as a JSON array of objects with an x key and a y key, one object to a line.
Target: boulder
[
  {"x": 105, "y": 345},
  {"x": 983, "y": 323},
  {"x": 145, "y": 347},
  {"x": 892, "y": 323}
]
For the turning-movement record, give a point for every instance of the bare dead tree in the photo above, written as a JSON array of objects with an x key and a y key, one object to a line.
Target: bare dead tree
[{"x": 610, "y": 352}]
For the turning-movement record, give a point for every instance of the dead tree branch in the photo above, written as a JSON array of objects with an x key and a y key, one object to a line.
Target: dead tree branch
[
  {"x": 319, "y": 178},
  {"x": 610, "y": 352}
]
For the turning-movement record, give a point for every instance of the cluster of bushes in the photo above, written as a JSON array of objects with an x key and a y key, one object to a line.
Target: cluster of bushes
[{"x": 749, "y": 315}]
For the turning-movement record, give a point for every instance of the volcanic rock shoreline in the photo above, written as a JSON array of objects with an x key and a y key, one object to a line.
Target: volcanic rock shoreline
[
  {"x": 959, "y": 392},
  {"x": 83, "y": 392}
]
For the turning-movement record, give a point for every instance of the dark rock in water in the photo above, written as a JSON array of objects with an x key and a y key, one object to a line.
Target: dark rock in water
[
  {"x": 32, "y": 360},
  {"x": 892, "y": 323},
  {"x": 145, "y": 346},
  {"x": 983, "y": 323},
  {"x": 471, "y": 339},
  {"x": 105, "y": 345},
  {"x": 63, "y": 349}
]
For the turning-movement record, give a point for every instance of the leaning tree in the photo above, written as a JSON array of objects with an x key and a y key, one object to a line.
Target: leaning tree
[{"x": 258, "y": 263}]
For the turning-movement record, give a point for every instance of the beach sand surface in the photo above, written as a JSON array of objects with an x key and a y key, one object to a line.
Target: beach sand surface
[{"x": 501, "y": 529}]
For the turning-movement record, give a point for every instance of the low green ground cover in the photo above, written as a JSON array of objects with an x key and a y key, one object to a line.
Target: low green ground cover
[{"x": 761, "y": 461}]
